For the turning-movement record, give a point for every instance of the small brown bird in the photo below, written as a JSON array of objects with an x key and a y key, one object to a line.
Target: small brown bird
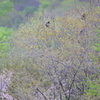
[
  {"x": 83, "y": 16},
  {"x": 82, "y": 31},
  {"x": 47, "y": 24}
]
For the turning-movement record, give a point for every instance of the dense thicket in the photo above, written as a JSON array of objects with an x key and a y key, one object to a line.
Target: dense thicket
[{"x": 58, "y": 62}]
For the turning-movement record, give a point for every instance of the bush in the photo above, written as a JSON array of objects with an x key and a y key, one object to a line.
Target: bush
[{"x": 4, "y": 44}]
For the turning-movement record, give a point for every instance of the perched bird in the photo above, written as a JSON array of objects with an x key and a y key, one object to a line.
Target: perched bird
[
  {"x": 83, "y": 16},
  {"x": 82, "y": 31},
  {"x": 47, "y": 24}
]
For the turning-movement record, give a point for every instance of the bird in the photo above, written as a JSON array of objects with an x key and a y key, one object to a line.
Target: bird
[
  {"x": 83, "y": 16},
  {"x": 82, "y": 31},
  {"x": 47, "y": 24}
]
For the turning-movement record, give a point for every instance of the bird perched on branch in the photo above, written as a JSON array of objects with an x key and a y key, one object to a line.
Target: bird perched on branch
[
  {"x": 83, "y": 16},
  {"x": 47, "y": 24},
  {"x": 82, "y": 31}
]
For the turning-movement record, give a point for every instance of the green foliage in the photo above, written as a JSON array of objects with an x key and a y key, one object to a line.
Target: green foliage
[
  {"x": 93, "y": 58},
  {"x": 29, "y": 10},
  {"x": 67, "y": 2},
  {"x": 5, "y": 7},
  {"x": 44, "y": 4},
  {"x": 93, "y": 89},
  {"x": 93, "y": 84},
  {"x": 97, "y": 45},
  {"x": 99, "y": 7},
  {"x": 4, "y": 36}
]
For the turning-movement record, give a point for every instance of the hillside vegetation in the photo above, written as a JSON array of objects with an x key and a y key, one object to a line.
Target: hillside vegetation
[
  {"x": 58, "y": 62},
  {"x": 15, "y": 12}
]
